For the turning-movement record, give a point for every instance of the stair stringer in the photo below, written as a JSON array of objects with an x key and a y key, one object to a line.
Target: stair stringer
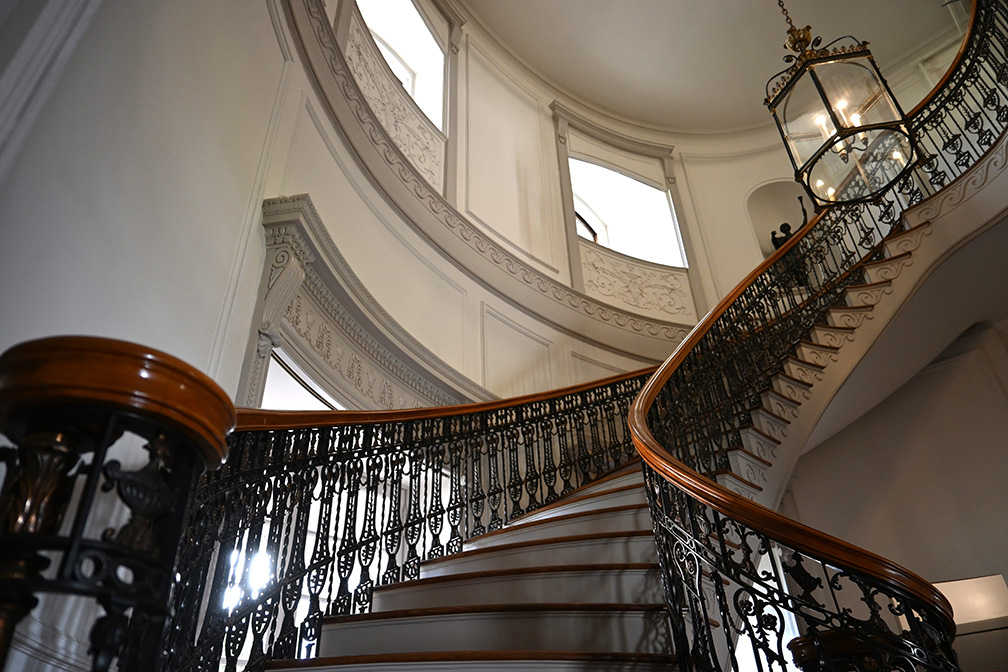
[{"x": 935, "y": 230}]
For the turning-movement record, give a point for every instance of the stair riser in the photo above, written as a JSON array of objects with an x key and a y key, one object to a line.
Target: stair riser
[
  {"x": 632, "y": 478},
  {"x": 583, "y": 631},
  {"x": 618, "y": 521},
  {"x": 606, "y": 665},
  {"x": 588, "y": 586},
  {"x": 607, "y": 500},
  {"x": 629, "y": 549}
]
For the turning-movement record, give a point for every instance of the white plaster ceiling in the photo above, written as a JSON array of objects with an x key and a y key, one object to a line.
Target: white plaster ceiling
[{"x": 697, "y": 66}]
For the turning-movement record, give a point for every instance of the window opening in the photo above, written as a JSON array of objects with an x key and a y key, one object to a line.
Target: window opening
[
  {"x": 288, "y": 388},
  {"x": 637, "y": 218},
  {"x": 412, "y": 51}
]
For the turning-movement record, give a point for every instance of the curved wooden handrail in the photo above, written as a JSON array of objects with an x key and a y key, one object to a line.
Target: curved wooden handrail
[
  {"x": 259, "y": 419},
  {"x": 953, "y": 67},
  {"x": 105, "y": 373},
  {"x": 783, "y": 529}
]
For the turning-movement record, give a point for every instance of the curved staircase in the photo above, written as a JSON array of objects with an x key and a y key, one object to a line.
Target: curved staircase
[{"x": 572, "y": 586}]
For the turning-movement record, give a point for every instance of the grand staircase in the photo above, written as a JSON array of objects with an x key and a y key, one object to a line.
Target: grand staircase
[{"x": 572, "y": 586}]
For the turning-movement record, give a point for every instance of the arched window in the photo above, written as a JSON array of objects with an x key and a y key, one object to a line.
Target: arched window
[
  {"x": 625, "y": 214},
  {"x": 413, "y": 45}
]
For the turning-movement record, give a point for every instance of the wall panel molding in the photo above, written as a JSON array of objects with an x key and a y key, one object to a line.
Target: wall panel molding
[{"x": 460, "y": 241}]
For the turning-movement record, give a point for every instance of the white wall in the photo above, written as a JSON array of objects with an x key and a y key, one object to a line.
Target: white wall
[{"x": 920, "y": 479}]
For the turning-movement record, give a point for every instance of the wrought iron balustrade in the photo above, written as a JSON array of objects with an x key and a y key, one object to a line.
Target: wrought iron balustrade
[
  {"x": 313, "y": 511},
  {"x": 743, "y": 582}
]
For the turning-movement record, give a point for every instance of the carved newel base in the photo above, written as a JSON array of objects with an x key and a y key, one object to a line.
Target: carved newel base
[{"x": 64, "y": 402}]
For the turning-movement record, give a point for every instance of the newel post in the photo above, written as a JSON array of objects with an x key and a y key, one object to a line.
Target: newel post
[{"x": 88, "y": 416}]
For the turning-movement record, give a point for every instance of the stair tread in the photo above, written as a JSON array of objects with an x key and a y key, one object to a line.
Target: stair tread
[
  {"x": 882, "y": 262},
  {"x": 804, "y": 363},
  {"x": 792, "y": 379},
  {"x": 523, "y": 571},
  {"x": 462, "y": 656},
  {"x": 571, "y": 498},
  {"x": 494, "y": 609},
  {"x": 760, "y": 432},
  {"x": 819, "y": 346},
  {"x": 518, "y": 524},
  {"x": 574, "y": 538},
  {"x": 868, "y": 285},
  {"x": 741, "y": 449},
  {"x": 729, "y": 472}
]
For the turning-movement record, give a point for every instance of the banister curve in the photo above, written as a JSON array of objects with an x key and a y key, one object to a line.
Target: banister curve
[
  {"x": 260, "y": 419},
  {"x": 699, "y": 395}
]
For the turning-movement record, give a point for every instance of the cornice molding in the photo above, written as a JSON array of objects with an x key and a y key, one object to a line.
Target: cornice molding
[
  {"x": 330, "y": 265},
  {"x": 309, "y": 21}
]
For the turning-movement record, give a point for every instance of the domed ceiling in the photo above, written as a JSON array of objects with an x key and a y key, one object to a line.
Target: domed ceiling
[{"x": 698, "y": 66}]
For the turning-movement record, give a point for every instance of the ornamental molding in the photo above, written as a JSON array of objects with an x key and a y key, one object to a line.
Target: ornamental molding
[
  {"x": 311, "y": 300},
  {"x": 649, "y": 288},
  {"x": 407, "y": 126},
  {"x": 963, "y": 188},
  {"x": 460, "y": 229}
]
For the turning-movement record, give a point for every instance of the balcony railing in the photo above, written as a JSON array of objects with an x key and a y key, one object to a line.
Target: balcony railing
[{"x": 745, "y": 584}]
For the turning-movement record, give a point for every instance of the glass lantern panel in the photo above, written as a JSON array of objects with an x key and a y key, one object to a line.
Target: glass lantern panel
[
  {"x": 805, "y": 120},
  {"x": 860, "y": 165},
  {"x": 856, "y": 93}
]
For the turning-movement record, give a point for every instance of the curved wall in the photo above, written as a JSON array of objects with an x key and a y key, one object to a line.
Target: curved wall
[{"x": 132, "y": 207}]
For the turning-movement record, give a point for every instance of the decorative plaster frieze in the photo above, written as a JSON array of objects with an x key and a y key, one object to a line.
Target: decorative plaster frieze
[
  {"x": 963, "y": 188},
  {"x": 908, "y": 241},
  {"x": 648, "y": 288},
  {"x": 312, "y": 302},
  {"x": 460, "y": 228},
  {"x": 404, "y": 122}
]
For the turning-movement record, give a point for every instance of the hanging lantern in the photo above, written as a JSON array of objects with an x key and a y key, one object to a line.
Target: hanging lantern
[{"x": 846, "y": 135}]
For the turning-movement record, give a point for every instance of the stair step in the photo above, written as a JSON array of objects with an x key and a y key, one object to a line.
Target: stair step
[
  {"x": 759, "y": 444},
  {"x": 485, "y": 661},
  {"x": 813, "y": 353},
  {"x": 631, "y": 493},
  {"x": 802, "y": 371},
  {"x": 617, "y": 479},
  {"x": 615, "y": 519},
  {"x": 769, "y": 423},
  {"x": 861, "y": 296},
  {"x": 847, "y": 316},
  {"x": 779, "y": 404},
  {"x": 907, "y": 241},
  {"x": 738, "y": 484},
  {"x": 792, "y": 388},
  {"x": 588, "y": 583},
  {"x": 611, "y": 547},
  {"x": 831, "y": 336},
  {"x": 887, "y": 269},
  {"x": 749, "y": 466},
  {"x": 627, "y": 628}
]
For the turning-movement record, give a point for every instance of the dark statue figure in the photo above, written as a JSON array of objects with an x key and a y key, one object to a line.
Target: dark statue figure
[{"x": 785, "y": 228}]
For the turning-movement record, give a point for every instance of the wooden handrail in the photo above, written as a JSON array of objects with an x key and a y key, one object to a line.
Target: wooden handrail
[
  {"x": 783, "y": 529},
  {"x": 258, "y": 419},
  {"x": 953, "y": 67},
  {"x": 99, "y": 372}
]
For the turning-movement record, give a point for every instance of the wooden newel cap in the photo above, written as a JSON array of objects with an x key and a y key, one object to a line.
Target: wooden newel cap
[{"x": 109, "y": 374}]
